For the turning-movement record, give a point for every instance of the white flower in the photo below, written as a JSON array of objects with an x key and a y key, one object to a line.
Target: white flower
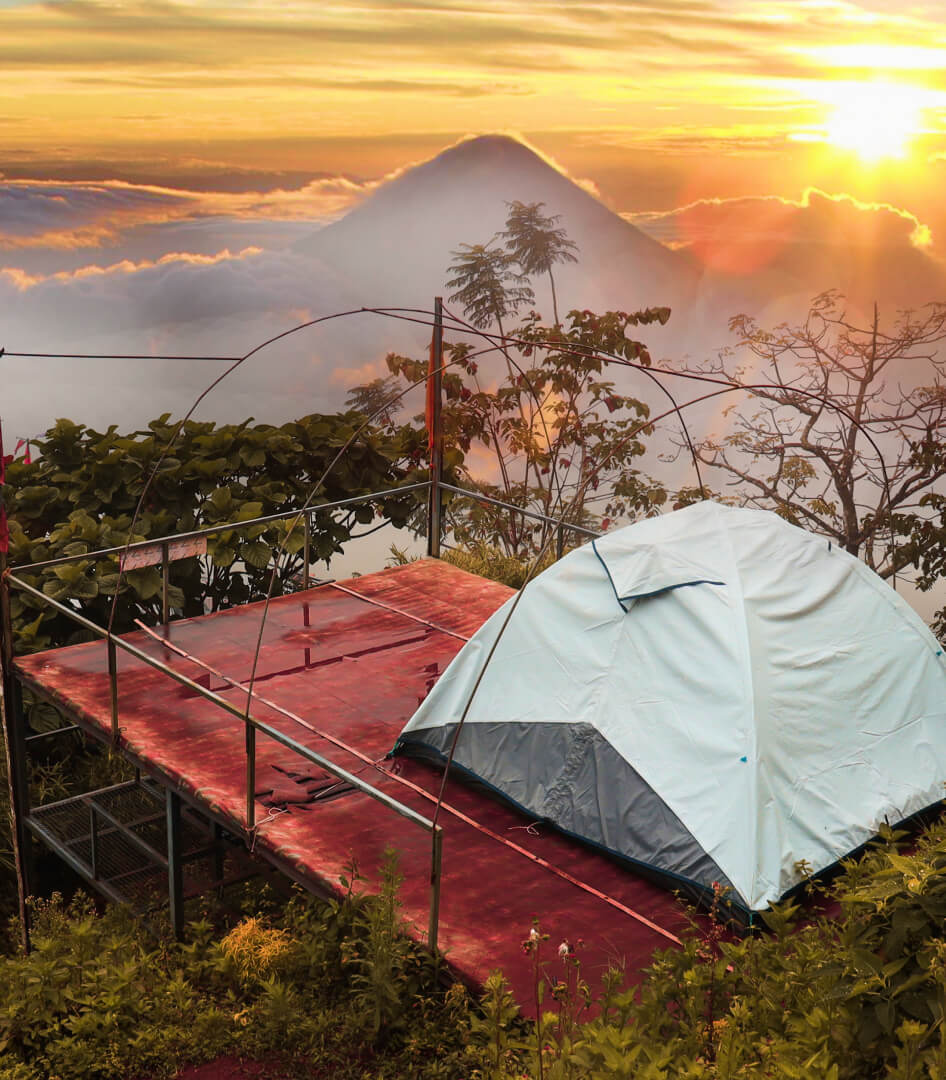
[
  {"x": 564, "y": 950},
  {"x": 533, "y": 934}
]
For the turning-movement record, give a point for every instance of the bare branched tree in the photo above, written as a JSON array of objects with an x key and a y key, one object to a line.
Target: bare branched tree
[{"x": 846, "y": 438}]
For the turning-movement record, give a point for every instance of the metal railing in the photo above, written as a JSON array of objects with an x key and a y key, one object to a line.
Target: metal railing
[
  {"x": 253, "y": 724},
  {"x": 533, "y": 515}
]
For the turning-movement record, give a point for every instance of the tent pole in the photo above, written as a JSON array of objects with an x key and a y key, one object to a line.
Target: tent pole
[{"x": 434, "y": 527}]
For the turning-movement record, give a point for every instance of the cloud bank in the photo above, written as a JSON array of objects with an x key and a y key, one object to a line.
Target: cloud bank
[
  {"x": 116, "y": 267},
  {"x": 62, "y": 215},
  {"x": 741, "y": 235}
]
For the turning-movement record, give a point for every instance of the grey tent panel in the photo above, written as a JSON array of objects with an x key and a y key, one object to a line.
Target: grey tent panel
[{"x": 592, "y": 792}]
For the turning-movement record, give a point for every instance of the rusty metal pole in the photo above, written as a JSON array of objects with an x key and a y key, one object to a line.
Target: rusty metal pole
[
  {"x": 165, "y": 583},
  {"x": 250, "y": 740},
  {"x": 436, "y": 861},
  {"x": 175, "y": 872},
  {"x": 306, "y": 550},
  {"x": 113, "y": 687},
  {"x": 435, "y": 504},
  {"x": 14, "y": 740}
]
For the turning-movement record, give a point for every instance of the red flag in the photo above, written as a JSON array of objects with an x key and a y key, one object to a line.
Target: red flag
[{"x": 429, "y": 411}]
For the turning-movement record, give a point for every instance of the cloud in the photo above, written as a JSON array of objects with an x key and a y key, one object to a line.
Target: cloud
[
  {"x": 63, "y": 215},
  {"x": 224, "y": 304},
  {"x": 249, "y": 39},
  {"x": 114, "y": 77},
  {"x": 347, "y": 377},
  {"x": 23, "y": 281},
  {"x": 744, "y": 234}
]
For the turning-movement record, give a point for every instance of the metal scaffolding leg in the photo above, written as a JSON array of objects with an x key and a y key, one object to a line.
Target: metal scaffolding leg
[
  {"x": 218, "y": 858},
  {"x": 14, "y": 730},
  {"x": 175, "y": 876}
]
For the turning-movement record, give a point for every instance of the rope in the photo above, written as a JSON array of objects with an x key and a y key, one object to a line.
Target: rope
[
  {"x": 422, "y": 792},
  {"x": 397, "y": 611},
  {"x": 274, "y": 812}
]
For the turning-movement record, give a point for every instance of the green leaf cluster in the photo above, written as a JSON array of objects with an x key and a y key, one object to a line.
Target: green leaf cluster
[
  {"x": 80, "y": 493},
  {"x": 560, "y": 439},
  {"x": 318, "y": 988}
]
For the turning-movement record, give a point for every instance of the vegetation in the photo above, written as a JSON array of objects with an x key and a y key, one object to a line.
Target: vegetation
[
  {"x": 79, "y": 493},
  {"x": 841, "y": 429},
  {"x": 333, "y": 988},
  {"x": 559, "y": 438},
  {"x": 337, "y": 988}
]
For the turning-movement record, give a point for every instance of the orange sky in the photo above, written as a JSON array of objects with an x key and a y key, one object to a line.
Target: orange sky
[{"x": 660, "y": 102}]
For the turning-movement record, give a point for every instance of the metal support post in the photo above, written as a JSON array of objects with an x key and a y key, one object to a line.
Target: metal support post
[
  {"x": 14, "y": 745},
  {"x": 435, "y": 390},
  {"x": 113, "y": 686},
  {"x": 165, "y": 583},
  {"x": 559, "y": 541},
  {"x": 250, "y": 778},
  {"x": 175, "y": 875},
  {"x": 306, "y": 550},
  {"x": 436, "y": 859}
]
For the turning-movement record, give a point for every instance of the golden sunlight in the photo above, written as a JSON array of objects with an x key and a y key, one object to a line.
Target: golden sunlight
[{"x": 875, "y": 120}]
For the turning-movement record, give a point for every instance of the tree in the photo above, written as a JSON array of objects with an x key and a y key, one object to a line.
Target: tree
[
  {"x": 486, "y": 284},
  {"x": 79, "y": 494},
  {"x": 840, "y": 429},
  {"x": 534, "y": 242},
  {"x": 561, "y": 439}
]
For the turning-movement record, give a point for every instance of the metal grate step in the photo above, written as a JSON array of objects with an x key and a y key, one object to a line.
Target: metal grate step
[{"x": 116, "y": 838}]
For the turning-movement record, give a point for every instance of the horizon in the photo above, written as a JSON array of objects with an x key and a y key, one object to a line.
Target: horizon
[{"x": 656, "y": 104}]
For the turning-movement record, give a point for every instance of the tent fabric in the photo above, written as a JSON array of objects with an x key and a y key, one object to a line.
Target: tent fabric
[{"x": 714, "y": 695}]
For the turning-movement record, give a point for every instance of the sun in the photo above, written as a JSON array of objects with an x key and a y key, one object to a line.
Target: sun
[{"x": 875, "y": 120}]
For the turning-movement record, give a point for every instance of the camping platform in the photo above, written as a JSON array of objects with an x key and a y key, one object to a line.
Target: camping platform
[{"x": 342, "y": 667}]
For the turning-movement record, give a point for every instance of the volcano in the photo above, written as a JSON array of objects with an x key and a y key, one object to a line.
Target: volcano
[{"x": 396, "y": 247}]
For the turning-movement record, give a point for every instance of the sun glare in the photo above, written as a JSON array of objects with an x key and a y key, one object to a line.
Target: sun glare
[{"x": 875, "y": 120}]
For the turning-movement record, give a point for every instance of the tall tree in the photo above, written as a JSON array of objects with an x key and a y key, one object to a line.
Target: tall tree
[
  {"x": 536, "y": 244},
  {"x": 562, "y": 439},
  {"x": 486, "y": 284},
  {"x": 490, "y": 290}
]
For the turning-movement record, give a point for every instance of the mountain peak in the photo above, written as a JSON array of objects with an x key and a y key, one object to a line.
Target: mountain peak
[
  {"x": 402, "y": 238},
  {"x": 495, "y": 149}
]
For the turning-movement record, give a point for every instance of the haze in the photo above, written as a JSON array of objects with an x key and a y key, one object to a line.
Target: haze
[{"x": 167, "y": 170}]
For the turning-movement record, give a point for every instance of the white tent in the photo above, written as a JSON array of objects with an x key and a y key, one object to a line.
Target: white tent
[{"x": 714, "y": 695}]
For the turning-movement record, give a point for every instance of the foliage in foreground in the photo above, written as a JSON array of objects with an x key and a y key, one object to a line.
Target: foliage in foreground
[{"x": 332, "y": 989}]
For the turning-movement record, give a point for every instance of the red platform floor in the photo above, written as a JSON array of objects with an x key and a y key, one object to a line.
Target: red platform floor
[{"x": 357, "y": 671}]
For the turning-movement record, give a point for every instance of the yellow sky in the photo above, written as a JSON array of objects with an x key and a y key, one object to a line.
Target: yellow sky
[{"x": 738, "y": 93}]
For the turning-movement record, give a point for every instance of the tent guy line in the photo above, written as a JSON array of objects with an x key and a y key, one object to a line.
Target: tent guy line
[
  {"x": 416, "y": 788},
  {"x": 397, "y": 611}
]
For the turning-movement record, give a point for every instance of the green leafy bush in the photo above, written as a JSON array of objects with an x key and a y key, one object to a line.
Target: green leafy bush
[
  {"x": 80, "y": 491},
  {"x": 336, "y": 989},
  {"x": 336, "y": 983}
]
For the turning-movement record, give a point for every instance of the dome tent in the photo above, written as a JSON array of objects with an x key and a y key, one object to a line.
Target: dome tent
[{"x": 714, "y": 695}]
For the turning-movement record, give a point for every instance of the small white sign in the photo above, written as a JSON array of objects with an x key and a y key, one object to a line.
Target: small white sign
[{"x": 153, "y": 554}]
